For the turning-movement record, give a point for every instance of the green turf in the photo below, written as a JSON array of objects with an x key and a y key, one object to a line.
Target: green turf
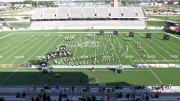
[
  {"x": 80, "y": 77},
  {"x": 155, "y": 23},
  {"x": 22, "y": 47},
  {"x": 171, "y": 18}
]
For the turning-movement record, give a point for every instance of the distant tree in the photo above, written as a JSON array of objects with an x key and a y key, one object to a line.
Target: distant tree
[
  {"x": 123, "y": 3},
  {"x": 30, "y": 2},
  {"x": 46, "y": 3}
]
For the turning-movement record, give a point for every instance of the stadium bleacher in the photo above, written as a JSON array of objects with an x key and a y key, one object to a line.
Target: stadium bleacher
[
  {"x": 87, "y": 25},
  {"x": 100, "y": 93},
  {"x": 5, "y": 27},
  {"x": 88, "y": 18}
]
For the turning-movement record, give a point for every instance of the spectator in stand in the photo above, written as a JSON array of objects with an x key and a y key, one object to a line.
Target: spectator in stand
[
  {"x": 32, "y": 98},
  {"x": 17, "y": 95},
  {"x": 1, "y": 98},
  {"x": 37, "y": 99},
  {"x": 23, "y": 94}
]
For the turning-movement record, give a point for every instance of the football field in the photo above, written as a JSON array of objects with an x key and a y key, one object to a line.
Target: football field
[{"x": 89, "y": 48}]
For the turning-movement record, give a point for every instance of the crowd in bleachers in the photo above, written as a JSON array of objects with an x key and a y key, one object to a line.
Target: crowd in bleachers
[{"x": 97, "y": 93}]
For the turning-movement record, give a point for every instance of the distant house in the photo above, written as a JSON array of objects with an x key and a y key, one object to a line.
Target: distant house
[
  {"x": 23, "y": 5},
  {"x": 4, "y": 8}
]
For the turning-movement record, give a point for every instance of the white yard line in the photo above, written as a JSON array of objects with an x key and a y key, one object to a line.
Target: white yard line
[
  {"x": 7, "y": 42},
  {"x": 37, "y": 49},
  {"x": 173, "y": 36},
  {"x": 104, "y": 50},
  {"x": 45, "y": 52},
  {"x": 124, "y": 50},
  {"x": 18, "y": 50},
  {"x": 32, "y": 48},
  {"x": 6, "y": 36},
  {"x": 9, "y": 76},
  {"x": 175, "y": 45},
  {"x": 95, "y": 49},
  {"x": 14, "y": 43},
  {"x": 153, "y": 49},
  {"x": 156, "y": 76},
  {"x": 114, "y": 50},
  {"x": 14, "y": 52},
  {"x": 167, "y": 45},
  {"x": 11, "y": 44},
  {"x": 149, "y": 68},
  {"x": 85, "y": 50},
  {"x": 75, "y": 49},
  {"x": 161, "y": 47},
  {"x": 3, "y": 82}
]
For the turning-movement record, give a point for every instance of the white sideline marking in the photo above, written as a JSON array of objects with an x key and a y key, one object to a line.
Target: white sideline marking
[
  {"x": 156, "y": 76},
  {"x": 104, "y": 70},
  {"x": 3, "y": 82},
  {"x": 40, "y": 57},
  {"x": 6, "y": 36},
  {"x": 167, "y": 46},
  {"x": 151, "y": 69},
  {"x": 173, "y": 36},
  {"x": 36, "y": 49},
  {"x": 16, "y": 51},
  {"x": 19, "y": 57},
  {"x": 145, "y": 62}
]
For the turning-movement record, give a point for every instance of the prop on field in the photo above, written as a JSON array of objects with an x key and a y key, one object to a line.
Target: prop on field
[
  {"x": 93, "y": 79},
  {"x": 92, "y": 69},
  {"x": 43, "y": 62},
  {"x": 119, "y": 69},
  {"x": 166, "y": 37},
  {"x": 101, "y": 32},
  {"x": 144, "y": 53},
  {"x": 149, "y": 35},
  {"x": 131, "y": 34},
  {"x": 115, "y": 33}
]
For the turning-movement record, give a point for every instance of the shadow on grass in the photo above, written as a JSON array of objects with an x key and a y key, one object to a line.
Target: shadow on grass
[
  {"x": 37, "y": 78},
  {"x": 40, "y": 79},
  {"x": 34, "y": 62}
]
